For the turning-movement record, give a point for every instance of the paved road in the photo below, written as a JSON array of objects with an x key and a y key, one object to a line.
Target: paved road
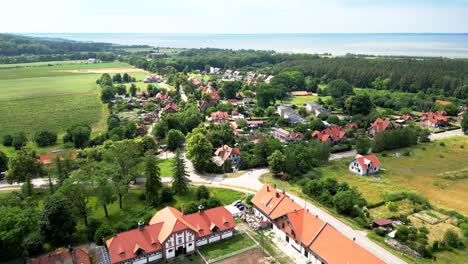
[
  {"x": 452, "y": 133},
  {"x": 345, "y": 154}
]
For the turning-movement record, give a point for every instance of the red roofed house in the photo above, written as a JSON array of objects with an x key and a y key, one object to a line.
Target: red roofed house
[
  {"x": 219, "y": 117},
  {"x": 226, "y": 153},
  {"x": 63, "y": 255},
  {"x": 333, "y": 134},
  {"x": 165, "y": 97},
  {"x": 434, "y": 120},
  {"x": 170, "y": 108},
  {"x": 214, "y": 98},
  {"x": 232, "y": 101},
  {"x": 287, "y": 136},
  {"x": 143, "y": 94},
  {"x": 365, "y": 165},
  {"x": 314, "y": 238},
  {"x": 351, "y": 126},
  {"x": 169, "y": 234},
  {"x": 380, "y": 125}
]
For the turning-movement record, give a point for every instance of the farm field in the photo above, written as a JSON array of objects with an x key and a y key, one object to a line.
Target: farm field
[
  {"x": 436, "y": 170},
  {"x": 53, "y": 96}
]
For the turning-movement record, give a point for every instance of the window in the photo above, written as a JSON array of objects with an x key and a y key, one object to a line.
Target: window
[
  {"x": 190, "y": 244},
  {"x": 170, "y": 250},
  {"x": 306, "y": 254},
  {"x": 180, "y": 240}
]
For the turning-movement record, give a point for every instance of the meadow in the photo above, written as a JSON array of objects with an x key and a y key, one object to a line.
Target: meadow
[{"x": 54, "y": 96}]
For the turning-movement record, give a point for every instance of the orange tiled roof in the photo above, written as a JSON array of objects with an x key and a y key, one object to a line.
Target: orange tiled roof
[
  {"x": 433, "y": 117},
  {"x": 351, "y": 126},
  {"x": 219, "y": 116},
  {"x": 301, "y": 93},
  {"x": 364, "y": 160},
  {"x": 334, "y": 132},
  {"x": 63, "y": 255},
  {"x": 172, "y": 106},
  {"x": 380, "y": 124},
  {"x": 273, "y": 202},
  {"x": 225, "y": 151}
]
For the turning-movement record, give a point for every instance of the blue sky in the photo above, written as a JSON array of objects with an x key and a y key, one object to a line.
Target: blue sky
[{"x": 235, "y": 16}]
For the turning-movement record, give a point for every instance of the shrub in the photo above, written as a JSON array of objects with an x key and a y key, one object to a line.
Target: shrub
[
  {"x": 380, "y": 232},
  {"x": 392, "y": 207},
  {"x": 45, "y": 138},
  {"x": 166, "y": 195},
  {"x": 203, "y": 192},
  {"x": 442, "y": 144},
  {"x": 452, "y": 239},
  {"x": 19, "y": 140},
  {"x": 102, "y": 233},
  {"x": 8, "y": 140},
  {"x": 33, "y": 244}
]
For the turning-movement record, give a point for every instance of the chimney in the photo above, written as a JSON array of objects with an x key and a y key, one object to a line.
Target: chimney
[
  {"x": 141, "y": 225},
  {"x": 277, "y": 195},
  {"x": 200, "y": 208},
  {"x": 268, "y": 188},
  {"x": 284, "y": 192}
]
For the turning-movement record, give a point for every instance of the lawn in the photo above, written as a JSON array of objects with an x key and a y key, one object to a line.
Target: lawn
[
  {"x": 423, "y": 172},
  {"x": 166, "y": 167},
  {"x": 37, "y": 96},
  {"x": 228, "y": 246}
]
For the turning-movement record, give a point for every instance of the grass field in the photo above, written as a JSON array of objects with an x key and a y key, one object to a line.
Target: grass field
[
  {"x": 424, "y": 172},
  {"x": 37, "y": 96},
  {"x": 224, "y": 247},
  {"x": 166, "y": 167}
]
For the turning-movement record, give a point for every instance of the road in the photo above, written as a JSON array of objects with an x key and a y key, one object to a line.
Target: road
[{"x": 452, "y": 133}]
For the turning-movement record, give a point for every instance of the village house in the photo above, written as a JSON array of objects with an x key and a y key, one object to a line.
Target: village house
[
  {"x": 334, "y": 134},
  {"x": 236, "y": 115},
  {"x": 434, "y": 120},
  {"x": 313, "y": 238},
  {"x": 152, "y": 78},
  {"x": 79, "y": 255},
  {"x": 170, "y": 233},
  {"x": 383, "y": 223},
  {"x": 92, "y": 60},
  {"x": 404, "y": 119},
  {"x": 287, "y": 136},
  {"x": 164, "y": 97},
  {"x": 143, "y": 94},
  {"x": 227, "y": 74},
  {"x": 227, "y": 153},
  {"x": 213, "y": 98},
  {"x": 170, "y": 108},
  {"x": 214, "y": 70},
  {"x": 268, "y": 79},
  {"x": 380, "y": 125},
  {"x": 316, "y": 109},
  {"x": 219, "y": 117},
  {"x": 286, "y": 112},
  {"x": 365, "y": 165},
  {"x": 351, "y": 126}
]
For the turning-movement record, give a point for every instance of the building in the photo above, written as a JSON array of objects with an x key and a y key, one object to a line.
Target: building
[
  {"x": 365, "y": 165},
  {"x": 152, "y": 78},
  {"x": 383, "y": 223},
  {"x": 316, "y": 109},
  {"x": 49, "y": 158},
  {"x": 92, "y": 60},
  {"x": 227, "y": 153},
  {"x": 312, "y": 237},
  {"x": 287, "y": 136},
  {"x": 351, "y": 126},
  {"x": 404, "y": 119},
  {"x": 380, "y": 125},
  {"x": 334, "y": 134},
  {"x": 164, "y": 97},
  {"x": 170, "y": 108},
  {"x": 65, "y": 256},
  {"x": 286, "y": 112},
  {"x": 219, "y": 117},
  {"x": 300, "y": 93},
  {"x": 171, "y": 233},
  {"x": 434, "y": 120}
]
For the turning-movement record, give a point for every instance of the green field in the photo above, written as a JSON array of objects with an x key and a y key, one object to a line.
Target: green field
[
  {"x": 225, "y": 247},
  {"x": 434, "y": 171},
  {"x": 166, "y": 167},
  {"x": 37, "y": 96}
]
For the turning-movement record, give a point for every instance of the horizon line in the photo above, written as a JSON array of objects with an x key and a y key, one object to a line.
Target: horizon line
[{"x": 259, "y": 33}]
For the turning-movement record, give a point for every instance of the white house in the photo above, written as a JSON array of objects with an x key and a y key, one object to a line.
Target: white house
[{"x": 365, "y": 165}]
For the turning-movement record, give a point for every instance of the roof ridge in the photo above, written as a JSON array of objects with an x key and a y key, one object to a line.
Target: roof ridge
[
  {"x": 277, "y": 203},
  {"x": 318, "y": 233}
]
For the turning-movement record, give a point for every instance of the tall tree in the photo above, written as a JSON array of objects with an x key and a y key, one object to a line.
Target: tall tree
[
  {"x": 464, "y": 122},
  {"x": 275, "y": 162},
  {"x": 57, "y": 223},
  {"x": 105, "y": 193},
  {"x": 23, "y": 167},
  {"x": 63, "y": 167},
  {"x": 199, "y": 150},
  {"x": 175, "y": 139},
  {"x": 180, "y": 182},
  {"x": 78, "y": 189},
  {"x": 3, "y": 162},
  {"x": 339, "y": 88},
  {"x": 153, "y": 179}
]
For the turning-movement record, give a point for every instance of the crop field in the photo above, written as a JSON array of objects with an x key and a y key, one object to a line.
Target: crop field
[
  {"x": 436, "y": 170},
  {"x": 54, "y": 96}
]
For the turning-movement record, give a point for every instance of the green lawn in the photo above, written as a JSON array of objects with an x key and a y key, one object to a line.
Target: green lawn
[
  {"x": 36, "y": 96},
  {"x": 228, "y": 246},
  {"x": 166, "y": 167}
]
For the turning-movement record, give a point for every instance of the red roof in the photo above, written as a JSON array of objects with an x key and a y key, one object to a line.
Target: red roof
[
  {"x": 171, "y": 106},
  {"x": 368, "y": 159},
  {"x": 63, "y": 255},
  {"x": 232, "y": 101},
  {"x": 225, "y": 151},
  {"x": 351, "y": 126},
  {"x": 164, "y": 223},
  {"x": 162, "y": 96},
  {"x": 335, "y": 133},
  {"x": 273, "y": 203},
  {"x": 47, "y": 159},
  {"x": 382, "y": 222},
  {"x": 434, "y": 117},
  {"x": 406, "y": 117},
  {"x": 380, "y": 124},
  {"x": 255, "y": 122},
  {"x": 219, "y": 116},
  {"x": 212, "y": 92},
  {"x": 300, "y": 93},
  {"x": 443, "y": 102}
]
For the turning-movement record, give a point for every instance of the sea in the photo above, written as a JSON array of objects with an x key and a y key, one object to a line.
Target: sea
[{"x": 395, "y": 44}]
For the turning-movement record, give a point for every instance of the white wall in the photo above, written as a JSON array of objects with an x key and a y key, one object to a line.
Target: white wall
[
  {"x": 158, "y": 255},
  {"x": 214, "y": 238},
  {"x": 226, "y": 234},
  {"x": 140, "y": 261},
  {"x": 202, "y": 242}
]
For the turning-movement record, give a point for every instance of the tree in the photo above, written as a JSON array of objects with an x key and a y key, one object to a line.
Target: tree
[
  {"x": 202, "y": 192},
  {"x": 117, "y": 78},
  {"x": 133, "y": 89},
  {"x": 105, "y": 80},
  {"x": 199, "y": 150},
  {"x": 45, "y": 138},
  {"x": 175, "y": 139},
  {"x": 3, "y": 162},
  {"x": 56, "y": 222},
  {"x": 153, "y": 179},
  {"x": 107, "y": 94},
  {"x": 464, "y": 122},
  {"x": 452, "y": 239},
  {"x": 79, "y": 134},
  {"x": 22, "y": 168},
  {"x": 105, "y": 193},
  {"x": 222, "y": 135},
  {"x": 180, "y": 181},
  {"x": 126, "y": 78},
  {"x": 78, "y": 189},
  {"x": 362, "y": 145},
  {"x": 63, "y": 167},
  {"x": 264, "y": 148},
  {"x": 8, "y": 140},
  {"x": 358, "y": 105},
  {"x": 339, "y": 88},
  {"x": 346, "y": 201},
  {"x": 166, "y": 195},
  {"x": 19, "y": 140},
  {"x": 275, "y": 162}
]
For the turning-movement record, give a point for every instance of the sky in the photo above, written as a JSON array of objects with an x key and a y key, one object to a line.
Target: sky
[{"x": 234, "y": 16}]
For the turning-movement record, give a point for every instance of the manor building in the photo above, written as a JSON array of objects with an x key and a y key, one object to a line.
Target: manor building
[
  {"x": 312, "y": 237},
  {"x": 169, "y": 234}
]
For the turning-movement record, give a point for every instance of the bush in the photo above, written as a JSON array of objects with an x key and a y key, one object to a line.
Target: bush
[
  {"x": 452, "y": 239},
  {"x": 102, "y": 234},
  {"x": 380, "y": 232},
  {"x": 166, "y": 195},
  {"x": 203, "y": 192},
  {"x": 45, "y": 138},
  {"x": 93, "y": 225},
  {"x": 442, "y": 144},
  {"x": 33, "y": 244},
  {"x": 8, "y": 140},
  {"x": 19, "y": 140}
]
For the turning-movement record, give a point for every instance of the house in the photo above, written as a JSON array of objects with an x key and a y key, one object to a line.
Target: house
[
  {"x": 227, "y": 74},
  {"x": 219, "y": 117},
  {"x": 232, "y": 101},
  {"x": 286, "y": 112},
  {"x": 214, "y": 70},
  {"x": 171, "y": 233},
  {"x": 48, "y": 159},
  {"x": 382, "y": 223},
  {"x": 434, "y": 120},
  {"x": 380, "y": 125},
  {"x": 300, "y": 93},
  {"x": 165, "y": 97},
  {"x": 334, "y": 134},
  {"x": 170, "y": 108},
  {"x": 79, "y": 255},
  {"x": 247, "y": 101},
  {"x": 152, "y": 78},
  {"x": 316, "y": 109},
  {"x": 287, "y": 136},
  {"x": 92, "y": 60},
  {"x": 268, "y": 79},
  {"x": 226, "y": 153},
  {"x": 365, "y": 165},
  {"x": 404, "y": 119},
  {"x": 351, "y": 126},
  {"x": 255, "y": 123},
  {"x": 143, "y": 94},
  {"x": 236, "y": 115},
  {"x": 312, "y": 237}
]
